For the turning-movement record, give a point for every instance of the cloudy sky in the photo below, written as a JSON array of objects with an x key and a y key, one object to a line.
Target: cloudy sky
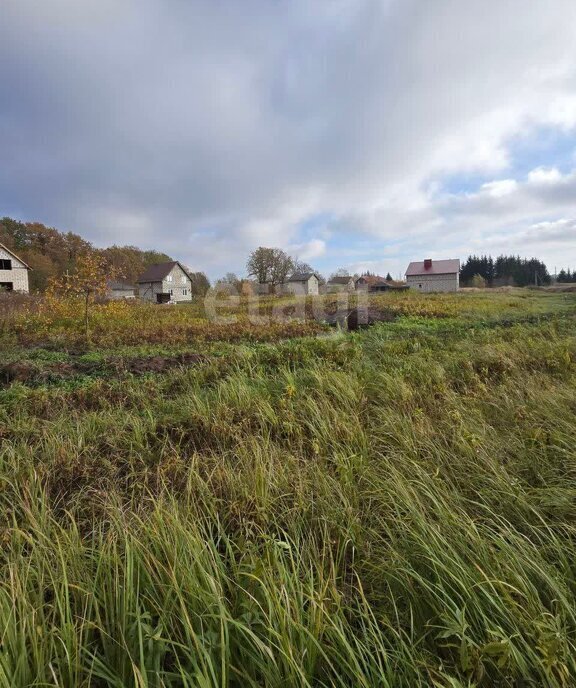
[{"x": 354, "y": 133}]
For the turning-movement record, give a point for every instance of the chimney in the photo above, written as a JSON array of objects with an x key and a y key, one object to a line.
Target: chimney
[{"x": 427, "y": 263}]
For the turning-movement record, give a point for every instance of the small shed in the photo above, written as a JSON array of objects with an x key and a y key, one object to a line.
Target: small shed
[
  {"x": 302, "y": 284},
  {"x": 165, "y": 283},
  {"x": 340, "y": 284},
  {"x": 434, "y": 275}
]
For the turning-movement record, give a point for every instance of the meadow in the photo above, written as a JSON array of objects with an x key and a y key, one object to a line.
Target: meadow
[{"x": 242, "y": 502}]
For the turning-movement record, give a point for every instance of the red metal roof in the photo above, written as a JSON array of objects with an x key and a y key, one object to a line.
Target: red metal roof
[{"x": 438, "y": 267}]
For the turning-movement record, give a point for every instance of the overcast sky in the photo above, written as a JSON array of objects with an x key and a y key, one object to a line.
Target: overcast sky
[{"x": 353, "y": 133}]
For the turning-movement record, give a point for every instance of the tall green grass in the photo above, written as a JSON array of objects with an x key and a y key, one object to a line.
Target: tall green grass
[{"x": 357, "y": 511}]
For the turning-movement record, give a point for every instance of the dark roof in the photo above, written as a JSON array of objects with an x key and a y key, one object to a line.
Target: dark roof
[
  {"x": 372, "y": 279},
  {"x": 117, "y": 285},
  {"x": 340, "y": 280},
  {"x": 158, "y": 271},
  {"x": 302, "y": 276},
  {"x": 15, "y": 256},
  {"x": 437, "y": 267}
]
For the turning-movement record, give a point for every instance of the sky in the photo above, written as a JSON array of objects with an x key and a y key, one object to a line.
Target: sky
[{"x": 356, "y": 134}]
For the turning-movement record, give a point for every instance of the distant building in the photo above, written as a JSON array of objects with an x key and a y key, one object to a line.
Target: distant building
[
  {"x": 375, "y": 283},
  {"x": 340, "y": 284},
  {"x": 118, "y": 290},
  {"x": 165, "y": 282},
  {"x": 264, "y": 288},
  {"x": 434, "y": 275},
  {"x": 13, "y": 272},
  {"x": 302, "y": 284}
]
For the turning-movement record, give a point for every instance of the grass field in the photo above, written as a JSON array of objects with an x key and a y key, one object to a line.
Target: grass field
[{"x": 201, "y": 504}]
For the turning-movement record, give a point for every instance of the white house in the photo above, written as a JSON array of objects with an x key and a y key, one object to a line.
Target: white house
[
  {"x": 13, "y": 272},
  {"x": 165, "y": 282},
  {"x": 434, "y": 275},
  {"x": 302, "y": 284}
]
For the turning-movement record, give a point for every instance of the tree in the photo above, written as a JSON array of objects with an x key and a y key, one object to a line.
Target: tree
[
  {"x": 200, "y": 283},
  {"x": 301, "y": 266},
  {"x": 340, "y": 272},
  {"x": 388, "y": 277},
  {"x": 259, "y": 264},
  {"x": 478, "y": 281},
  {"x": 88, "y": 280},
  {"x": 282, "y": 266},
  {"x": 505, "y": 270},
  {"x": 269, "y": 265}
]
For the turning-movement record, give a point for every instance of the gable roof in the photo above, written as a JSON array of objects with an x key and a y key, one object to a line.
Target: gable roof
[
  {"x": 372, "y": 279},
  {"x": 302, "y": 276},
  {"x": 438, "y": 267},
  {"x": 340, "y": 280},
  {"x": 158, "y": 271},
  {"x": 5, "y": 248}
]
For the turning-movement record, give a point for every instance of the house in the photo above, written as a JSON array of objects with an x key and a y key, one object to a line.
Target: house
[
  {"x": 13, "y": 272},
  {"x": 434, "y": 275},
  {"x": 165, "y": 282},
  {"x": 118, "y": 290},
  {"x": 375, "y": 283},
  {"x": 302, "y": 284},
  {"x": 340, "y": 284}
]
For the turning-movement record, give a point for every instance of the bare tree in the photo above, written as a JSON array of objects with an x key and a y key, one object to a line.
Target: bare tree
[
  {"x": 269, "y": 265},
  {"x": 259, "y": 264},
  {"x": 282, "y": 266},
  {"x": 340, "y": 272}
]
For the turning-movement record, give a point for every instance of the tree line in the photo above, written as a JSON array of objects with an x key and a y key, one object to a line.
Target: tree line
[
  {"x": 503, "y": 271},
  {"x": 566, "y": 275},
  {"x": 52, "y": 254}
]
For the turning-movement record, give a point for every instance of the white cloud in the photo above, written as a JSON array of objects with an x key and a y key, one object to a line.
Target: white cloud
[
  {"x": 309, "y": 250},
  {"x": 206, "y": 130},
  {"x": 499, "y": 188}
]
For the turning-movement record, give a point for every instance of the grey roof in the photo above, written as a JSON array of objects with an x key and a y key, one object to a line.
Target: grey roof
[
  {"x": 302, "y": 276},
  {"x": 15, "y": 256},
  {"x": 438, "y": 267},
  {"x": 158, "y": 271},
  {"x": 340, "y": 280}
]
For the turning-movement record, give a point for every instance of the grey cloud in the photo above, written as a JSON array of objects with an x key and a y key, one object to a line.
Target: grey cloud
[{"x": 151, "y": 122}]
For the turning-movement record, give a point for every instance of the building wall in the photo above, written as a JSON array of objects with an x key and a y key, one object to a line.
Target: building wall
[
  {"x": 119, "y": 294},
  {"x": 338, "y": 288},
  {"x": 430, "y": 283},
  {"x": 18, "y": 276},
  {"x": 312, "y": 286},
  {"x": 308, "y": 288},
  {"x": 178, "y": 284}
]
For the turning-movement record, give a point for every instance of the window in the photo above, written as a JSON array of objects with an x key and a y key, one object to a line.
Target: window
[
  {"x": 184, "y": 292},
  {"x": 183, "y": 279},
  {"x": 5, "y": 264},
  {"x": 169, "y": 278},
  {"x": 171, "y": 292}
]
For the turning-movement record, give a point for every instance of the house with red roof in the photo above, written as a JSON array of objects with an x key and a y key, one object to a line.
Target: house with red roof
[{"x": 434, "y": 275}]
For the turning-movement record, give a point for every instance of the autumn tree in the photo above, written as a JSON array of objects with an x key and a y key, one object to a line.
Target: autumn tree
[{"x": 88, "y": 280}]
